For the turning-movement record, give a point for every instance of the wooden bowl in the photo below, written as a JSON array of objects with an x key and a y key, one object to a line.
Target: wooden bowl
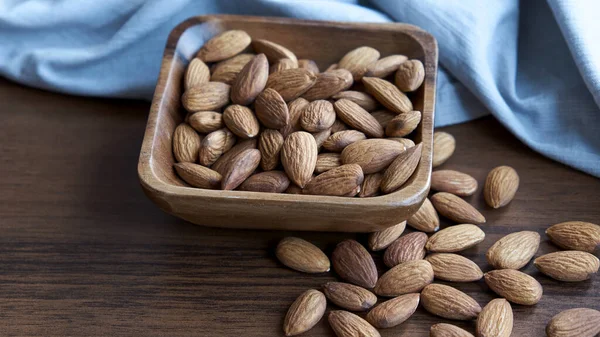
[{"x": 326, "y": 43}]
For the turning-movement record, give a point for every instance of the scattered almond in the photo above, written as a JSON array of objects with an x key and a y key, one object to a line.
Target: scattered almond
[
  {"x": 409, "y": 247},
  {"x": 241, "y": 121},
  {"x": 353, "y": 263},
  {"x": 186, "y": 143},
  {"x": 500, "y": 186},
  {"x": 358, "y": 118},
  {"x": 271, "y": 109},
  {"x": 447, "y": 330},
  {"x": 426, "y": 218},
  {"x": 403, "y": 124},
  {"x": 206, "y": 121},
  {"x": 514, "y": 285},
  {"x": 579, "y": 322},
  {"x": 569, "y": 266},
  {"x": 302, "y": 255},
  {"x": 495, "y": 319},
  {"x": 358, "y": 60},
  {"x": 270, "y": 181},
  {"x": 349, "y": 296},
  {"x": 383, "y": 238},
  {"x": 454, "y": 267},
  {"x": 206, "y": 97},
  {"x": 444, "y": 145},
  {"x": 388, "y": 95},
  {"x": 408, "y": 277},
  {"x": 385, "y": 66},
  {"x": 575, "y": 235},
  {"x": 456, "y": 209},
  {"x": 250, "y": 81},
  {"x": 410, "y": 75},
  {"x": 328, "y": 84},
  {"x": 401, "y": 169},
  {"x": 453, "y": 182},
  {"x": 347, "y": 324},
  {"x": 455, "y": 238},
  {"x": 240, "y": 168},
  {"x": 305, "y": 312},
  {"x": 393, "y": 312},
  {"x": 340, "y": 181},
  {"x": 373, "y": 155},
  {"x": 198, "y": 175},
  {"x": 448, "y": 302},
  {"x": 196, "y": 74},
  {"x": 317, "y": 116},
  {"x": 362, "y": 99},
  {"x": 291, "y": 83},
  {"x": 514, "y": 250},
  {"x": 224, "y": 45},
  {"x": 370, "y": 186}
]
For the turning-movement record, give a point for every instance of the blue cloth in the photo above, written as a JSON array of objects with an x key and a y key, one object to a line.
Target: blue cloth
[{"x": 534, "y": 64}]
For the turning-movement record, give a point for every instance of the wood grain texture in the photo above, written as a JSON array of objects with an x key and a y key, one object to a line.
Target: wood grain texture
[{"x": 84, "y": 253}]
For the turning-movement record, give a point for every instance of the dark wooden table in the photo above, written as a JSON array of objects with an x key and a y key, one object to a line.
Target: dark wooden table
[{"x": 83, "y": 252}]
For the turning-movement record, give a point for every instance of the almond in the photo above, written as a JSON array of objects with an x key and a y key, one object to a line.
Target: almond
[
  {"x": 448, "y": 302},
  {"x": 353, "y": 263},
  {"x": 403, "y": 124},
  {"x": 454, "y": 182},
  {"x": 409, "y": 247},
  {"x": 240, "y": 168},
  {"x": 514, "y": 285},
  {"x": 383, "y": 117},
  {"x": 186, "y": 143},
  {"x": 302, "y": 255},
  {"x": 385, "y": 66},
  {"x": 444, "y": 145},
  {"x": 426, "y": 218},
  {"x": 291, "y": 83},
  {"x": 349, "y": 296},
  {"x": 514, "y": 250},
  {"x": 271, "y": 109},
  {"x": 198, "y": 175},
  {"x": 250, "y": 81},
  {"x": 206, "y": 121},
  {"x": 569, "y": 266},
  {"x": 401, "y": 169},
  {"x": 321, "y": 137},
  {"x": 495, "y": 319},
  {"x": 339, "y": 140},
  {"x": 347, "y": 324},
  {"x": 208, "y": 96},
  {"x": 309, "y": 65},
  {"x": 358, "y": 118},
  {"x": 393, "y": 312},
  {"x": 575, "y": 235},
  {"x": 224, "y": 46},
  {"x": 328, "y": 84},
  {"x": 299, "y": 157},
  {"x": 404, "y": 141},
  {"x": 409, "y": 277},
  {"x": 241, "y": 121},
  {"x": 214, "y": 145},
  {"x": 370, "y": 186},
  {"x": 383, "y": 238},
  {"x": 356, "y": 61},
  {"x": 295, "y": 108},
  {"x": 197, "y": 73},
  {"x": 580, "y": 322},
  {"x": 270, "y": 143},
  {"x": 388, "y": 95},
  {"x": 338, "y": 126},
  {"x": 410, "y": 75},
  {"x": 273, "y": 51},
  {"x": 373, "y": 155},
  {"x": 455, "y": 238},
  {"x": 363, "y": 99},
  {"x": 317, "y": 116},
  {"x": 305, "y": 312},
  {"x": 283, "y": 64},
  {"x": 224, "y": 161},
  {"x": 270, "y": 181},
  {"x": 454, "y": 267},
  {"x": 447, "y": 330},
  {"x": 339, "y": 181},
  {"x": 327, "y": 161},
  {"x": 226, "y": 71},
  {"x": 456, "y": 209},
  {"x": 500, "y": 187}
]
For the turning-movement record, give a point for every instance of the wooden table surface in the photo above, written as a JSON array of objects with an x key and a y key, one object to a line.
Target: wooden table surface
[{"x": 84, "y": 253}]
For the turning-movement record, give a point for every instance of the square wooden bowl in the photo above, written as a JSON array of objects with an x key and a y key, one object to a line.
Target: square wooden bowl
[{"x": 326, "y": 43}]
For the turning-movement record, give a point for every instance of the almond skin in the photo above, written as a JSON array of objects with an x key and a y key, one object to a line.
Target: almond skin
[
  {"x": 339, "y": 140},
  {"x": 270, "y": 143},
  {"x": 198, "y": 175},
  {"x": 385, "y": 66},
  {"x": 370, "y": 186},
  {"x": 456, "y": 209},
  {"x": 339, "y": 181},
  {"x": 317, "y": 116},
  {"x": 454, "y": 182},
  {"x": 455, "y": 238},
  {"x": 426, "y": 218},
  {"x": 514, "y": 250},
  {"x": 353, "y": 263},
  {"x": 514, "y": 285},
  {"x": 240, "y": 168},
  {"x": 186, "y": 143},
  {"x": 296, "y": 109},
  {"x": 251, "y": 80},
  {"x": 224, "y": 46},
  {"x": 309, "y": 65},
  {"x": 271, "y": 109},
  {"x": 382, "y": 239},
  {"x": 241, "y": 121},
  {"x": 403, "y": 124},
  {"x": 388, "y": 95},
  {"x": 225, "y": 160},
  {"x": 500, "y": 186},
  {"x": 495, "y": 319},
  {"x": 363, "y": 99},
  {"x": 409, "y": 277},
  {"x": 197, "y": 73},
  {"x": 206, "y": 121},
  {"x": 409, "y": 247},
  {"x": 447, "y": 330},
  {"x": 580, "y": 322},
  {"x": 575, "y": 235},
  {"x": 349, "y": 296},
  {"x": 347, "y": 324},
  {"x": 226, "y": 71},
  {"x": 214, "y": 145},
  {"x": 404, "y": 141},
  {"x": 444, "y": 145},
  {"x": 328, "y": 84},
  {"x": 209, "y": 96},
  {"x": 410, "y": 75},
  {"x": 454, "y": 268},
  {"x": 291, "y": 83},
  {"x": 568, "y": 266},
  {"x": 281, "y": 65},
  {"x": 373, "y": 155},
  {"x": 299, "y": 157},
  {"x": 302, "y": 255},
  {"x": 401, "y": 169},
  {"x": 338, "y": 126},
  {"x": 327, "y": 161},
  {"x": 273, "y": 51},
  {"x": 305, "y": 312},
  {"x": 448, "y": 302},
  {"x": 383, "y": 117},
  {"x": 393, "y": 312},
  {"x": 321, "y": 137},
  {"x": 270, "y": 181},
  {"x": 357, "y": 61},
  {"x": 358, "y": 118}
]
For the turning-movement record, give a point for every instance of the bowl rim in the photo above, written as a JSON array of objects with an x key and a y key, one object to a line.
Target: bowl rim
[{"x": 407, "y": 195}]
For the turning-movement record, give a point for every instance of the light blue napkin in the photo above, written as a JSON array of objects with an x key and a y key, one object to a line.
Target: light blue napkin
[{"x": 534, "y": 64}]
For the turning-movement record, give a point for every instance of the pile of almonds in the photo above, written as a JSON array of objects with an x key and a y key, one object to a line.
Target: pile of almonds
[
  {"x": 311, "y": 132},
  {"x": 416, "y": 260}
]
